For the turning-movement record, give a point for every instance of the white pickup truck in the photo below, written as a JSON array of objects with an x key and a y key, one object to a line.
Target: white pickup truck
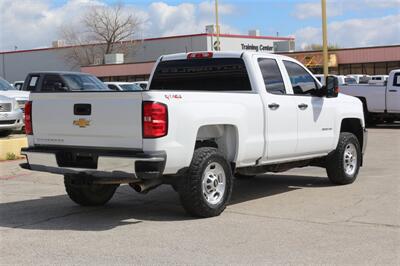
[
  {"x": 205, "y": 118},
  {"x": 381, "y": 102}
]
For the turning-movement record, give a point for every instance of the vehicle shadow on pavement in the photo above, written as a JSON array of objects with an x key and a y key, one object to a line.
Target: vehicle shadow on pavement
[{"x": 129, "y": 208}]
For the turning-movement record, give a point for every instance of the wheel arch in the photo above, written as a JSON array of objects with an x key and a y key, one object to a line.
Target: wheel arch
[
  {"x": 224, "y": 137},
  {"x": 354, "y": 126}
]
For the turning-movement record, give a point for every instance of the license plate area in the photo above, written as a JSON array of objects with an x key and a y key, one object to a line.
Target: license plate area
[{"x": 77, "y": 159}]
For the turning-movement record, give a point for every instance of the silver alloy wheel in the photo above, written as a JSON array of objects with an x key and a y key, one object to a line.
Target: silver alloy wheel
[
  {"x": 214, "y": 182},
  {"x": 350, "y": 159}
]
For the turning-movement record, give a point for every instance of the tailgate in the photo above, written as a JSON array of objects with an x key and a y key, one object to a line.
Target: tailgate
[{"x": 91, "y": 119}]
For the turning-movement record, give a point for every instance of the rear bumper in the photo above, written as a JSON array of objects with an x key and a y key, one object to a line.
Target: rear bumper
[{"x": 102, "y": 163}]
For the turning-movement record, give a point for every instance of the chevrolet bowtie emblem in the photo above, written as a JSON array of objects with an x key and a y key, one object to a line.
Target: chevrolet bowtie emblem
[{"x": 81, "y": 122}]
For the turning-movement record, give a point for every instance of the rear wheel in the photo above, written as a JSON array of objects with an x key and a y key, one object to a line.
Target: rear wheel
[
  {"x": 207, "y": 187},
  {"x": 88, "y": 194},
  {"x": 343, "y": 164}
]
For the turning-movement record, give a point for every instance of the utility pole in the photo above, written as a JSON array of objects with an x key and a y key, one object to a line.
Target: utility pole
[
  {"x": 324, "y": 38},
  {"x": 218, "y": 44}
]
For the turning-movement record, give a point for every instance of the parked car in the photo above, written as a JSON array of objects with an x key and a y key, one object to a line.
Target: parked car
[
  {"x": 6, "y": 89},
  {"x": 205, "y": 117},
  {"x": 380, "y": 77},
  {"x": 18, "y": 85},
  {"x": 11, "y": 117},
  {"x": 381, "y": 101},
  {"x": 142, "y": 84},
  {"x": 123, "y": 86},
  {"x": 341, "y": 79},
  {"x": 360, "y": 78}
]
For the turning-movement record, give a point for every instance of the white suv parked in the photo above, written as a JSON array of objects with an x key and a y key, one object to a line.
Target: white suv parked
[{"x": 11, "y": 117}]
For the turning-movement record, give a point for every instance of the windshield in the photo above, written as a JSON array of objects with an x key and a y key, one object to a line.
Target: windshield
[
  {"x": 84, "y": 83},
  {"x": 5, "y": 86},
  {"x": 130, "y": 87}
]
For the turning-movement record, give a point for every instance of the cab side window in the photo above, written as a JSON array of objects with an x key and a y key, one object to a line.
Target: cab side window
[
  {"x": 396, "y": 80},
  {"x": 302, "y": 82},
  {"x": 272, "y": 76},
  {"x": 52, "y": 83}
]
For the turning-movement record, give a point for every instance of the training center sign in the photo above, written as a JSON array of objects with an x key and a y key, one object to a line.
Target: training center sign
[{"x": 256, "y": 47}]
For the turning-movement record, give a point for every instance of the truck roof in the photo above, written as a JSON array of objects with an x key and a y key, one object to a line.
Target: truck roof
[{"x": 219, "y": 54}]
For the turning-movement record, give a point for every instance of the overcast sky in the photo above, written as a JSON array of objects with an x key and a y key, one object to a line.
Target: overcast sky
[{"x": 28, "y": 24}]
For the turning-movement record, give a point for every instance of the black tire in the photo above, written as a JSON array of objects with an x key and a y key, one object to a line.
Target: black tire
[
  {"x": 5, "y": 133},
  {"x": 335, "y": 161},
  {"x": 244, "y": 177},
  {"x": 88, "y": 195},
  {"x": 191, "y": 185}
]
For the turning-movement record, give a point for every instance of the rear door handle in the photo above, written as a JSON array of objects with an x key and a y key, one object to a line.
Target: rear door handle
[
  {"x": 273, "y": 106},
  {"x": 392, "y": 90},
  {"x": 303, "y": 106}
]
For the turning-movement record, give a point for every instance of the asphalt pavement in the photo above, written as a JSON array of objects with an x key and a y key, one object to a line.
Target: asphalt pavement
[{"x": 296, "y": 217}]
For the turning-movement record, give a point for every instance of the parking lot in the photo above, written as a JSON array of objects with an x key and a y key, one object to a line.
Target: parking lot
[{"x": 296, "y": 217}]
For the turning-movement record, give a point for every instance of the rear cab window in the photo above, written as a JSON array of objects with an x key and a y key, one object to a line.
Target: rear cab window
[
  {"x": 31, "y": 82},
  {"x": 272, "y": 76},
  {"x": 206, "y": 74}
]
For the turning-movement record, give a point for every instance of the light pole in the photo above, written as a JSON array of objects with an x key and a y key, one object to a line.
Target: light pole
[
  {"x": 217, "y": 46},
  {"x": 324, "y": 38}
]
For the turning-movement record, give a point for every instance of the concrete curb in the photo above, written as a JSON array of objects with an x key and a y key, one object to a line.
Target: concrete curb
[{"x": 12, "y": 146}]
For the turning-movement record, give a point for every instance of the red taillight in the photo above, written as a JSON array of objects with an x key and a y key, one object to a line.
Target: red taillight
[
  {"x": 155, "y": 120},
  {"x": 28, "y": 118},
  {"x": 200, "y": 55}
]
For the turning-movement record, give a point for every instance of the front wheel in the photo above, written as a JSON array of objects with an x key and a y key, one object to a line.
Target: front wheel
[
  {"x": 207, "y": 186},
  {"x": 88, "y": 194},
  {"x": 343, "y": 164}
]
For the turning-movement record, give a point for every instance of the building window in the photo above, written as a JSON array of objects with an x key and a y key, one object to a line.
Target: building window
[
  {"x": 380, "y": 69},
  {"x": 393, "y": 65}
]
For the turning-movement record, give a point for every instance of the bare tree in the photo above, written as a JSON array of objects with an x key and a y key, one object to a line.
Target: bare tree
[{"x": 103, "y": 30}]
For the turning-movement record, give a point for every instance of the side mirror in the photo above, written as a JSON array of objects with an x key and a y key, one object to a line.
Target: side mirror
[{"x": 332, "y": 86}]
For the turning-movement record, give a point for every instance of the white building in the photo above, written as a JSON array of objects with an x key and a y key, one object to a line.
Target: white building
[{"x": 140, "y": 57}]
